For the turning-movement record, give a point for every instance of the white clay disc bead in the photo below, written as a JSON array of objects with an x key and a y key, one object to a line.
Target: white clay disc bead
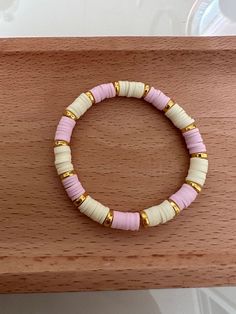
[
  {"x": 61, "y": 149},
  {"x": 93, "y": 209},
  {"x": 64, "y": 167},
  {"x": 131, "y": 89},
  {"x": 80, "y": 105},
  {"x": 197, "y": 170},
  {"x": 63, "y": 159},
  {"x": 179, "y": 117},
  {"x": 62, "y": 154},
  {"x": 160, "y": 214}
]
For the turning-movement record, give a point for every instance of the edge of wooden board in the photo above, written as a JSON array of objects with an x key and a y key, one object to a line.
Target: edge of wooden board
[{"x": 73, "y": 44}]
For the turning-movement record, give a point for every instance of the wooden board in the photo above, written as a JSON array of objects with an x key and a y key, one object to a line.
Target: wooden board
[{"x": 128, "y": 156}]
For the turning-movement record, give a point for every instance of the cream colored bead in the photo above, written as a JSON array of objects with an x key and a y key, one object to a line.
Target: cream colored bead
[
  {"x": 62, "y": 155},
  {"x": 63, "y": 159},
  {"x": 93, "y": 209},
  {"x": 131, "y": 89},
  {"x": 197, "y": 170},
  {"x": 199, "y": 164},
  {"x": 160, "y": 214},
  {"x": 179, "y": 117},
  {"x": 61, "y": 149},
  {"x": 196, "y": 176},
  {"x": 80, "y": 105},
  {"x": 64, "y": 167}
]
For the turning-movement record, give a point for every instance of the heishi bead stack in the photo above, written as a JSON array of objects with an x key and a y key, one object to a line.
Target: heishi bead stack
[{"x": 154, "y": 215}]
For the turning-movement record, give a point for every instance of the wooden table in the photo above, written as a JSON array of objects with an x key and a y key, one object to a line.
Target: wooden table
[{"x": 128, "y": 156}]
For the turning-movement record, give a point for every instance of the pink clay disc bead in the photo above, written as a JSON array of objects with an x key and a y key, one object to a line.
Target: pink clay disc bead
[
  {"x": 184, "y": 196},
  {"x": 64, "y": 129},
  {"x": 200, "y": 147},
  {"x": 75, "y": 193},
  {"x": 73, "y": 187},
  {"x": 194, "y": 141},
  {"x": 103, "y": 91},
  {"x": 157, "y": 98},
  {"x": 125, "y": 220},
  {"x": 69, "y": 181}
]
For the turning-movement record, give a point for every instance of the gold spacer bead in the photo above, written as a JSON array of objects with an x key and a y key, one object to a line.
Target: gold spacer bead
[
  {"x": 146, "y": 90},
  {"x": 70, "y": 114},
  {"x": 197, "y": 187},
  {"x": 169, "y": 105},
  {"x": 79, "y": 201},
  {"x": 144, "y": 219},
  {"x": 67, "y": 174},
  {"x": 175, "y": 207},
  {"x": 91, "y": 97},
  {"x": 60, "y": 143},
  {"x": 109, "y": 218},
  {"x": 189, "y": 127},
  {"x": 117, "y": 88},
  {"x": 199, "y": 155}
]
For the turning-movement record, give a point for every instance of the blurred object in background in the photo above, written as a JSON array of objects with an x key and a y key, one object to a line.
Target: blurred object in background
[{"x": 212, "y": 17}]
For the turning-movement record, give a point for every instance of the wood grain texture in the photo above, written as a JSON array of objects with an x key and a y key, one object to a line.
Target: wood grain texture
[{"x": 128, "y": 156}]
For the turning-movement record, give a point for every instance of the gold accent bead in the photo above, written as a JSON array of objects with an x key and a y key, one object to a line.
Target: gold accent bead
[
  {"x": 70, "y": 114},
  {"x": 79, "y": 201},
  {"x": 189, "y": 127},
  {"x": 197, "y": 187},
  {"x": 117, "y": 88},
  {"x": 109, "y": 218},
  {"x": 60, "y": 143},
  {"x": 67, "y": 174},
  {"x": 91, "y": 97},
  {"x": 175, "y": 207},
  {"x": 169, "y": 105},
  {"x": 144, "y": 219},
  {"x": 199, "y": 155},
  {"x": 146, "y": 90}
]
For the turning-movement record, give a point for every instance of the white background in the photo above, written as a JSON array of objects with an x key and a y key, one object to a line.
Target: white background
[
  {"x": 112, "y": 17},
  {"x": 91, "y": 17}
]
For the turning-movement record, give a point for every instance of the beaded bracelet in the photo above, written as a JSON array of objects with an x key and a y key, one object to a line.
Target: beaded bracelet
[{"x": 154, "y": 215}]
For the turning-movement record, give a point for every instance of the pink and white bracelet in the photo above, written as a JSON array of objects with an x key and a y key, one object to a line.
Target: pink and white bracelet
[{"x": 154, "y": 215}]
